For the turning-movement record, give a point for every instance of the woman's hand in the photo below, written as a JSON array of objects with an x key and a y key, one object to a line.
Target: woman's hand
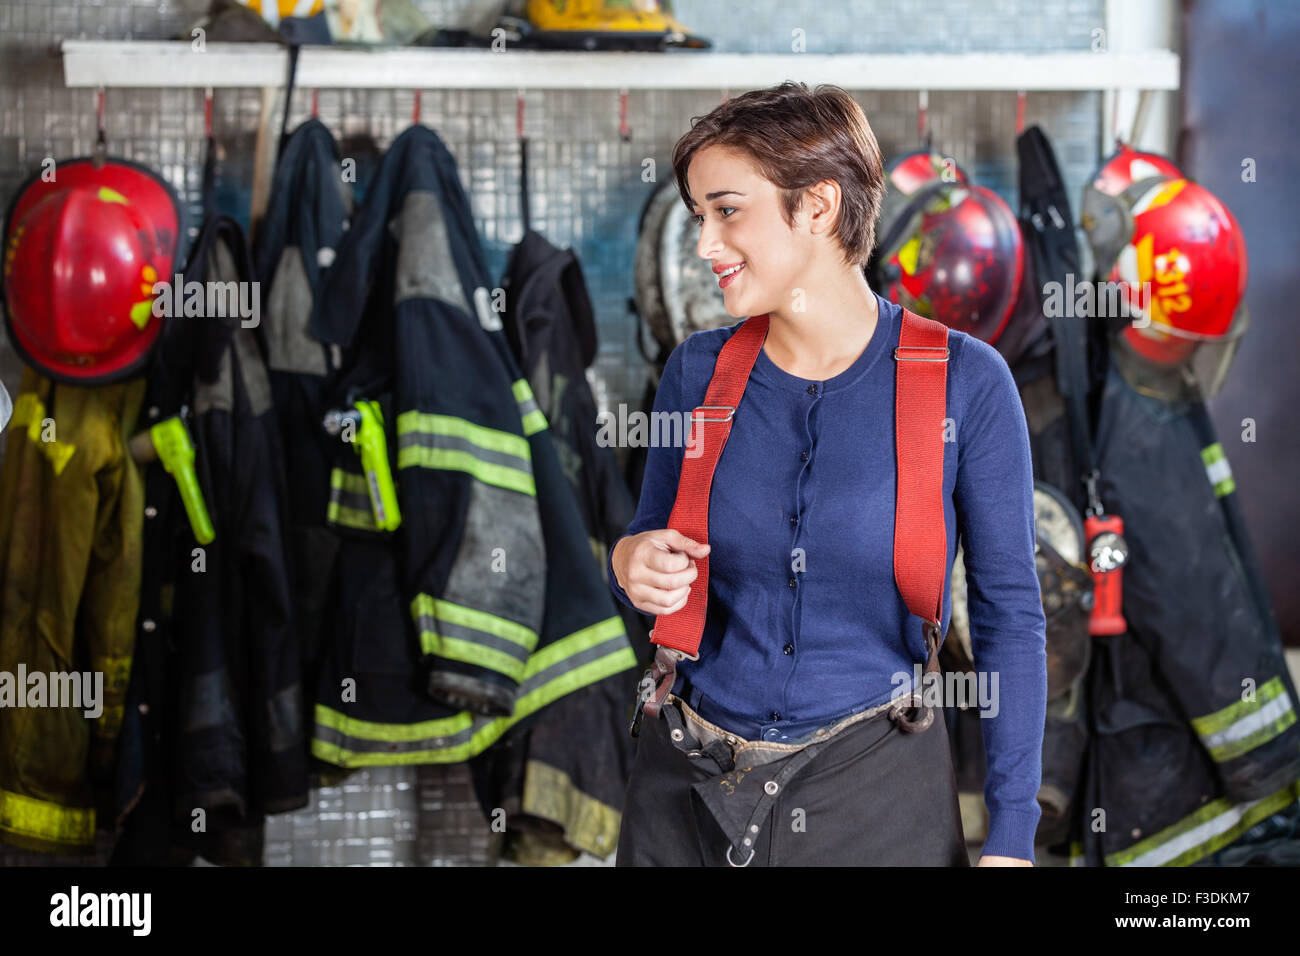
[
  {"x": 656, "y": 569},
  {"x": 1004, "y": 861}
]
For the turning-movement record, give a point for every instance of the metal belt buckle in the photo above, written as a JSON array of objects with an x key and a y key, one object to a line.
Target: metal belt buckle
[
  {"x": 730, "y": 409},
  {"x": 657, "y": 682},
  {"x": 920, "y": 348},
  {"x": 643, "y": 690}
]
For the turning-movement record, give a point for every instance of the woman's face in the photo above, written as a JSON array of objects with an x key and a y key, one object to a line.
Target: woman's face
[{"x": 740, "y": 222}]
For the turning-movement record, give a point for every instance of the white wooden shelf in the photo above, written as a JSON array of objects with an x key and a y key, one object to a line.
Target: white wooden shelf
[{"x": 137, "y": 63}]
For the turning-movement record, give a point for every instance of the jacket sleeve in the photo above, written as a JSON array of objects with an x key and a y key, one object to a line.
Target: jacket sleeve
[
  {"x": 473, "y": 544},
  {"x": 663, "y": 466},
  {"x": 994, "y": 501}
]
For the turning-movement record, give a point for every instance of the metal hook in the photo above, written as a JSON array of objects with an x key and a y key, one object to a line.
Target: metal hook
[
  {"x": 922, "y": 117},
  {"x": 100, "y": 152},
  {"x": 747, "y": 859}
]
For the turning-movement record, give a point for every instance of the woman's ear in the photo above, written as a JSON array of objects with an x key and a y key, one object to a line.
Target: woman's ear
[{"x": 824, "y": 203}]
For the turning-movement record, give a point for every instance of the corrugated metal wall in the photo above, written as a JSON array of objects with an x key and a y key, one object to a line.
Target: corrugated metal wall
[{"x": 586, "y": 189}]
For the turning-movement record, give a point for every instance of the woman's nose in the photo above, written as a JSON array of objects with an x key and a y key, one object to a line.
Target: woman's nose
[{"x": 707, "y": 244}]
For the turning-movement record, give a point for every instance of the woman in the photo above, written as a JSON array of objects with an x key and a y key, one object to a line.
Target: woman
[{"x": 781, "y": 731}]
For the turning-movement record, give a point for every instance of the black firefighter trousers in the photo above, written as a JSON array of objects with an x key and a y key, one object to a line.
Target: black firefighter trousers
[{"x": 860, "y": 793}]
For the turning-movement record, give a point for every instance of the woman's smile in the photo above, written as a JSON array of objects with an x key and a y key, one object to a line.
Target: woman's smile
[{"x": 729, "y": 273}]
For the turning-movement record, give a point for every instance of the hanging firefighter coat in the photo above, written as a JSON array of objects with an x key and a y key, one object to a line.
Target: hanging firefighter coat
[
  {"x": 558, "y": 797},
  {"x": 485, "y": 603},
  {"x": 71, "y": 510},
  {"x": 297, "y": 240},
  {"x": 1195, "y": 734},
  {"x": 219, "y": 677}
]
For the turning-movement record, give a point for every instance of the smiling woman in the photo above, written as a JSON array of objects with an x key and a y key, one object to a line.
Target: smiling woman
[{"x": 782, "y": 628}]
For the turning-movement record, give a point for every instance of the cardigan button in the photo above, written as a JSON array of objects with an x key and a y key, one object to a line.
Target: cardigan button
[
  {"x": 803, "y": 455},
  {"x": 788, "y": 650},
  {"x": 793, "y": 582},
  {"x": 812, "y": 389}
]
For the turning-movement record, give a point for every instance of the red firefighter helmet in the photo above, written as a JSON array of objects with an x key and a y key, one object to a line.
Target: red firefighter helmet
[
  {"x": 82, "y": 254},
  {"x": 909, "y": 172},
  {"x": 1182, "y": 271},
  {"x": 955, "y": 255},
  {"x": 1127, "y": 165},
  {"x": 905, "y": 176}
]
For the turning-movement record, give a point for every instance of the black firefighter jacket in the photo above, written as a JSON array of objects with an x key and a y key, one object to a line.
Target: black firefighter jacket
[
  {"x": 560, "y": 799},
  {"x": 215, "y": 737},
  {"x": 306, "y": 216},
  {"x": 1194, "y": 736},
  {"x": 486, "y": 604}
]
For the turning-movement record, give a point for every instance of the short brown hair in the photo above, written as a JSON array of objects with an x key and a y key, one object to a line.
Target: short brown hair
[{"x": 797, "y": 137}]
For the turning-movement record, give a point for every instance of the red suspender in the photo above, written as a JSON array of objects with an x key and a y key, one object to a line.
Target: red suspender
[
  {"x": 920, "y": 532},
  {"x": 710, "y": 426}
]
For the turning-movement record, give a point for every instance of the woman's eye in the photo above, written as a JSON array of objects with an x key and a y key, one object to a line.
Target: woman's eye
[{"x": 699, "y": 220}]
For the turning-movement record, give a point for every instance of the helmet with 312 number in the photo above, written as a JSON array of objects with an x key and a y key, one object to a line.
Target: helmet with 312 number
[{"x": 1183, "y": 270}]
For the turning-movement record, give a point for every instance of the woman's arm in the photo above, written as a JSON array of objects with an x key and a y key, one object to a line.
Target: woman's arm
[
  {"x": 662, "y": 469},
  {"x": 994, "y": 501}
]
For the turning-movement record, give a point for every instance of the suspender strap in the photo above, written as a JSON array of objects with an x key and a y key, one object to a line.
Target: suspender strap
[
  {"x": 710, "y": 426},
  {"x": 920, "y": 530}
]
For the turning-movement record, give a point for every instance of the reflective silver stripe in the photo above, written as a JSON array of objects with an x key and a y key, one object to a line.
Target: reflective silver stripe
[
  {"x": 349, "y": 502},
  {"x": 528, "y": 405},
  {"x": 422, "y": 439},
  {"x": 1249, "y": 724},
  {"x": 331, "y": 736},
  {"x": 428, "y": 624},
  {"x": 1232, "y": 817},
  {"x": 350, "y": 499}
]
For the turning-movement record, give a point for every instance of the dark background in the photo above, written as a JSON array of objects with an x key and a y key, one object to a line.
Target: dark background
[{"x": 1240, "y": 82}]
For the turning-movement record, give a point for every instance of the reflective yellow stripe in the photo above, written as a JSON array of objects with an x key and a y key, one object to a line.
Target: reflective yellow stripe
[
  {"x": 1246, "y": 724},
  {"x": 472, "y": 636},
  {"x": 349, "y": 503},
  {"x": 350, "y": 481},
  {"x": 1218, "y": 470},
  {"x": 443, "y": 442},
  {"x": 487, "y": 438},
  {"x": 29, "y": 410},
  {"x": 550, "y": 794},
  {"x": 1204, "y": 831},
  {"x": 350, "y": 517},
  {"x": 464, "y": 735},
  {"x": 445, "y": 460},
  {"x": 529, "y": 414},
  {"x": 30, "y": 817}
]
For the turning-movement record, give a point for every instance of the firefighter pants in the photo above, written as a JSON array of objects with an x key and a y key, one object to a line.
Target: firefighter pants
[{"x": 862, "y": 792}]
